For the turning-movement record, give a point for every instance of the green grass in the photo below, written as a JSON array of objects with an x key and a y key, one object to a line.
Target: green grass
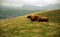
[{"x": 23, "y": 27}]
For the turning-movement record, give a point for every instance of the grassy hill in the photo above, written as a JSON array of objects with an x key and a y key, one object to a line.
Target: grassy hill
[{"x": 23, "y": 27}]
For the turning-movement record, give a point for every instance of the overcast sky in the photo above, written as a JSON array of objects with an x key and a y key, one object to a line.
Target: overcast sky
[{"x": 19, "y": 3}]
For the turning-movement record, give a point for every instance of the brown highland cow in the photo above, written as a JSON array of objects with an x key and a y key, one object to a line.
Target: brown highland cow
[{"x": 37, "y": 18}]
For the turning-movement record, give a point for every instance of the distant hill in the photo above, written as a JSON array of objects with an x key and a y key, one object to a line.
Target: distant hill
[
  {"x": 23, "y": 27},
  {"x": 30, "y": 7},
  {"x": 48, "y": 7},
  {"x": 10, "y": 12},
  {"x": 52, "y": 6}
]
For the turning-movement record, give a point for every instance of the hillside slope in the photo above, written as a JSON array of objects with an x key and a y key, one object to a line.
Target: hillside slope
[{"x": 23, "y": 27}]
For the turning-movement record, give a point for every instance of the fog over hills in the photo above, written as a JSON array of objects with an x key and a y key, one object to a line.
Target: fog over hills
[{"x": 31, "y": 7}]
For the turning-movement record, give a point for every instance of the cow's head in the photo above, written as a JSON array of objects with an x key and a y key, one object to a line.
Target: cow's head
[{"x": 29, "y": 16}]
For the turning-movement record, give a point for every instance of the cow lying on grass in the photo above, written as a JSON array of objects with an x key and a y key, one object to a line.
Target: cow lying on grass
[{"x": 37, "y": 18}]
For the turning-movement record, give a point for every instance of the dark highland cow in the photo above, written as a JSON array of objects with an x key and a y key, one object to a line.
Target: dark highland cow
[
  {"x": 44, "y": 19},
  {"x": 37, "y": 18}
]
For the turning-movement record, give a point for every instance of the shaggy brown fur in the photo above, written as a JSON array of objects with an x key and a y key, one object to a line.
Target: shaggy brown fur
[
  {"x": 37, "y": 18},
  {"x": 44, "y": 19}
]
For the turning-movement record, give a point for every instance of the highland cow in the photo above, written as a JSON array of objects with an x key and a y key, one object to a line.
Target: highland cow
[
  {"x": 37, "y": 18},
  {"x": 33, "y": 18},
  {"x": 44, "y": 19}
]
